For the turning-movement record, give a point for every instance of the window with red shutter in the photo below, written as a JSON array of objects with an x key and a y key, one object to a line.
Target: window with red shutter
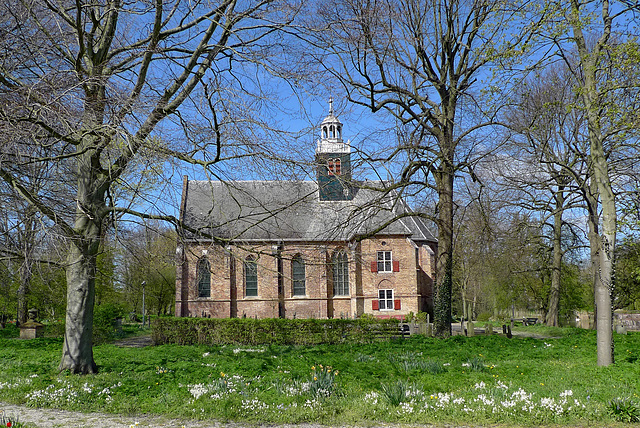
[
  {"x": 396, "y": 265},
  {"x": 385, "y": 300},
  {"x": 384, "y": 261}
]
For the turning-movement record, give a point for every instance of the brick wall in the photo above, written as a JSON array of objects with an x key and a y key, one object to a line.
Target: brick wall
[{"x": 410, "y": 283}]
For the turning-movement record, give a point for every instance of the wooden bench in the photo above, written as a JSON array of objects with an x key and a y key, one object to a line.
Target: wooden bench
[{"x": 529, "y": 321}]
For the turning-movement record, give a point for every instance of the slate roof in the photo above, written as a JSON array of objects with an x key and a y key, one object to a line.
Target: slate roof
[{"x": 292, "y": 211}]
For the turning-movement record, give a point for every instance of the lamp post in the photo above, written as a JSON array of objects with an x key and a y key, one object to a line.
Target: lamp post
[{"x": 143, "y": 308}]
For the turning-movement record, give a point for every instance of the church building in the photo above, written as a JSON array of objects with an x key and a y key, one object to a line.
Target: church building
[{"x": 329, "y": 248}]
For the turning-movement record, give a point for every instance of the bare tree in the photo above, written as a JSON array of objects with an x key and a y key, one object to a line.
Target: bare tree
[
  {"x": 548, "y": 139},
  {"x": 421, "y": 62},
  {"x": 100, "y": 86}
]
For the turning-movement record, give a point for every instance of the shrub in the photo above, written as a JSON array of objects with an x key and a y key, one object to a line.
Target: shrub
[
  {"x": 434, "y": 367},
  {"x": 484, "y": 316},
  {"x": 624, "y": 410},
  {"x": 322, "y": 380},
  {"x": 422, "y": 316},
  {"x": 476, "y": 364},
  {"x": 9, "y": 331},
  {"x": 246, "y": 331},
  {"x": 396, "y": 393},
  {"x": 104, "y": 321},
  {"x": 54, "y": 329}
]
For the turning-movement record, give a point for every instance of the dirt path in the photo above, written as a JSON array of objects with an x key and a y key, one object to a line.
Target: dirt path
[
  {"x": 135, "y": 342},
  {"x": 52, "y": 418}
]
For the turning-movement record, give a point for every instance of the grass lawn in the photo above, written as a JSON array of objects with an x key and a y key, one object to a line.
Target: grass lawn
[{"x": 479, "y": 380}]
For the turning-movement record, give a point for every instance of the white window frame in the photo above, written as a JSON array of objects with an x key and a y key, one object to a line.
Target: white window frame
[
  {"x": 385, "y": 262},
  {"x": 385, "y": 300}
]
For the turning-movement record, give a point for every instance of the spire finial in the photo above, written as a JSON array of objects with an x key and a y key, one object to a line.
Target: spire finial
[{"x": 330, "y": 105}]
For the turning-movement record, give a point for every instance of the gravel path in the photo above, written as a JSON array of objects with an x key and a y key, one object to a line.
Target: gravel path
[{"x": 52, "y": 418}]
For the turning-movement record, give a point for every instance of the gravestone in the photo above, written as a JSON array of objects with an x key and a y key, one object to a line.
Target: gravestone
[
  {"x": 488, "y": 329},
  {"x": 31, "y": 329},
  {"x": 422, "y": 328}
]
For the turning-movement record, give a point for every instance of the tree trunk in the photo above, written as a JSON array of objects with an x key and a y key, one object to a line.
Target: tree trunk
[
  {"x": 593, "y": 220},
  {"x": 604, "y": 276},
  {"x": 444, "y": 261},
  {"x": 77, "y": 351},
  {"x": 28, "y": 244},
  {"x": 23, "y": 290},
  {"x": 590, "y": 64}
]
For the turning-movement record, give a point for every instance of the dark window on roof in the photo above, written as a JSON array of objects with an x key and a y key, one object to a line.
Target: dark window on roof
[
  {"x": 340, "y": 274},
  {"x": 203, "y": 270},
  {"x": 298, "y": 275},
  {"x": 250, "y": 277}
]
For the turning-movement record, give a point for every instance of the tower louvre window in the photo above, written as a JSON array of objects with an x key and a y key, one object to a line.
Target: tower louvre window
[{"x": 334, "y": 166}]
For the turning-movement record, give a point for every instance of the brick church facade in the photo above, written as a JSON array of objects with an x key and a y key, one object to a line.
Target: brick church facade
[{"x": 329, "y": 248}]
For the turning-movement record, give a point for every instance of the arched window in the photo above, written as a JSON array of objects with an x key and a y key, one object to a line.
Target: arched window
[
  {"x": 340, "y": 274},
  {"x": 203, "y": 271},
  {"x": 250, "y": 277},
  {"x": 331, "y": 132},
  {"x": 324, "y": 132},
  {"x": 298, "y": 275}
]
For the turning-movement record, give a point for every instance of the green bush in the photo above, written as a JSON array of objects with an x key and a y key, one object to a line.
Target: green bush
[
  {"x": 484, "y": 316},
  {"x": 104, "y": 321},
  {"x": 247, "y": 331},
  {"x": 54, "y": 329},
  {"x": 9, "y": 331}
]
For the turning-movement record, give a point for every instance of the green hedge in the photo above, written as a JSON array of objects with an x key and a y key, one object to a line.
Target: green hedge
[{"x": 246, "y": 331}]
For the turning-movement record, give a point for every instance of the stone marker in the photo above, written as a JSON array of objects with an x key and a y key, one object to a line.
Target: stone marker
[
  {"x": 32, "y": 328},
  {"x": 470, "y": 328}
]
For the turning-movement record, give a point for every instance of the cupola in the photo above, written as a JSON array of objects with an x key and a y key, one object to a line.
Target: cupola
[{"x": 333, "y": 158}]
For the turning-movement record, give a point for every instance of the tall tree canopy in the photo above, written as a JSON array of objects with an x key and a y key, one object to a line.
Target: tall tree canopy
[
  {"x": 86, "y": 85},
  {"x": 423, "y": 62}
]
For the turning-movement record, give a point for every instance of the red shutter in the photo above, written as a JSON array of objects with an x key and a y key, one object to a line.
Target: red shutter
[
  {"x": 375, "y": 305},
  {"x": 396, "y": 304},
  {"x": 396, "y": 265},
  {"x": 374, "y": 266}
]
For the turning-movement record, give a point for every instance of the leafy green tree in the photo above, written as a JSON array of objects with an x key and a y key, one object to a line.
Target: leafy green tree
[
  {"x": 602, "y": 55},
  {"x": 627, "y": 289}
]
